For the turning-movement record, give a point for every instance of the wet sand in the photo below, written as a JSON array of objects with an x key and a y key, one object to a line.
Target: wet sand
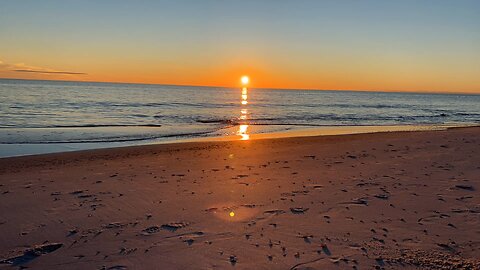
[{"x": 399, "y": 200}]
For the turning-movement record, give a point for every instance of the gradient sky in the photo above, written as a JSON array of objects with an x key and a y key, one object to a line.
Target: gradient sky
[{"x": 358, "y": 45}]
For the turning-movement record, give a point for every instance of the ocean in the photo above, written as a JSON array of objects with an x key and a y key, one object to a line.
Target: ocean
[{"x": 51, "y": 116}]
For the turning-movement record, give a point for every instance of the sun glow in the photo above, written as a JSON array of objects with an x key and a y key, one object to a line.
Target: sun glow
[
  {"x": 245, "y": 80},
  {"x": 243, "y": 132}
]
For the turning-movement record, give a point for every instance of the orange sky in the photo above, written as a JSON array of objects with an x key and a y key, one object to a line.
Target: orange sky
[
  {"x": 405, "y": 46},
  {"x": 263, "y": 76}
]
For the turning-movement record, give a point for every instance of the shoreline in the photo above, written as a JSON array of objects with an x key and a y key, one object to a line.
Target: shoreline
[
  {"x": 227, "y": 134},
  {"x": 386, "y": 200}
]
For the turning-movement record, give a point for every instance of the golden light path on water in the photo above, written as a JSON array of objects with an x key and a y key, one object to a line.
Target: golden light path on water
[{"x": 243, "y": 129}]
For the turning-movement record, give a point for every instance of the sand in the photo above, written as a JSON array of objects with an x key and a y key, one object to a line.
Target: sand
[{"x": 399, "y": 200}]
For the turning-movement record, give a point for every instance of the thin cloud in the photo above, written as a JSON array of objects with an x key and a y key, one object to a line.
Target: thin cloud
[
  {"x": 21, "y": 67},
  {"x": 50, "y": 72}
]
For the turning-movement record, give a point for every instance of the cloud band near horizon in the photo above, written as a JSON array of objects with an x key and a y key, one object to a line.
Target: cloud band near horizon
[{"x": 50, "y": 72}]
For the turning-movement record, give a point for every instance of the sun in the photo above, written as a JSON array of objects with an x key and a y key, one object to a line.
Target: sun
[{"x": 245, "y": 80}]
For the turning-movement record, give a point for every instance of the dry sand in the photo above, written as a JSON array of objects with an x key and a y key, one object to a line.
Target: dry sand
[{"x": 403, "y": 200}]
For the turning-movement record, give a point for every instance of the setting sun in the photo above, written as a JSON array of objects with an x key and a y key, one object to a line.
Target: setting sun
[{"x": 245, "y": 80}]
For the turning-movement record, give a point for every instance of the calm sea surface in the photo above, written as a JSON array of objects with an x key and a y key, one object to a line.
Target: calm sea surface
[{"x": 52, "y": 112}]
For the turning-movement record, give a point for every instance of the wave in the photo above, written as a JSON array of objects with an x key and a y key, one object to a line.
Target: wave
[
  {"x": 216, "y": 121},
  {"x": 86, "y": 126},
  {"x": 141, "y": 105},
  {"x": 334, "y": 117},
  {"x": 434, "y": 117},
  {"x": 141, "y": 137}
]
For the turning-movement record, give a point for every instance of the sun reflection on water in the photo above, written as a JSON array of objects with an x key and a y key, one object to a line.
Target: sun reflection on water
[
  {"x": 242, "y": 131},
  {"x": 243, "y": 128}
]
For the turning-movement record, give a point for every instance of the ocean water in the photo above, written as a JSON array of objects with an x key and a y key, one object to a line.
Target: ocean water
[{"x": 54, "y": 112}]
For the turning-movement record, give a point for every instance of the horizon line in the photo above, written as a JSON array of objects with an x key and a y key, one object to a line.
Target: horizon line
[{"x": 262, "y": 88}]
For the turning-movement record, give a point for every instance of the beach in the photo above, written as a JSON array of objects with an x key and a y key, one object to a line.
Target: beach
[
  {"x": 392, "y": 200},
  {"x": 239, "y": 135}
]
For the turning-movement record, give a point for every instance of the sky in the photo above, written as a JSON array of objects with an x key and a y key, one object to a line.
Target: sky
[{"x": 420, "y": 46}]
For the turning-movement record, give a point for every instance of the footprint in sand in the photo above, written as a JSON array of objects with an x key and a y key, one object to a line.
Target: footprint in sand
[
  {"x": 382, "y": 196},
  {"x": 174, "y": 226},
  {"x": 359, "y": 201},
  {"x": 169, "y": 227},
  {"x": 115, "y": 267},
  {"x": 150, "y": 230},
  {"x": 274, "y": 212},
  {"x": 114, "y": 225},
  {"x": 31, "y": 254},
  {"x": 298, "y": 210},
  {"x": 465, "y": 187},
  {"x": 233, "y": 259}
]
